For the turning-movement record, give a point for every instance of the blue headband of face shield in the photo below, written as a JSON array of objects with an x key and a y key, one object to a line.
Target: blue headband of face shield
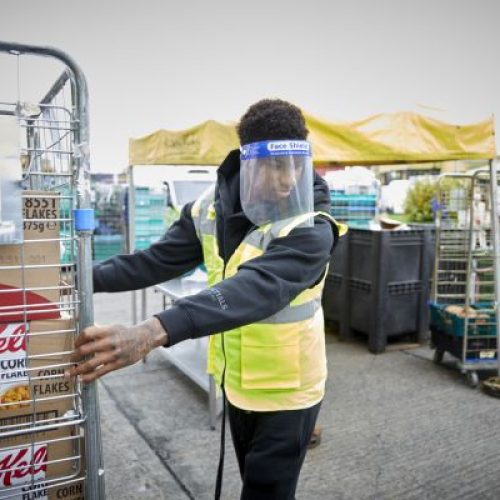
[{"x": 266, "y": 149}]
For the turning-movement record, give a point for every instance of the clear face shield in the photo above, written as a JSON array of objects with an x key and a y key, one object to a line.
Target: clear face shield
[{"x": 276, "y": 181}]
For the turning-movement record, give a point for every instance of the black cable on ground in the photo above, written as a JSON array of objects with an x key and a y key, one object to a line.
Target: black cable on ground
[{"x": 220, "y": 468}]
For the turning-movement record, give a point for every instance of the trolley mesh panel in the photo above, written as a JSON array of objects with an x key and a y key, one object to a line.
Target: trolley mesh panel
[
  {"x": 41, "y": 413},
  {"x": 463, "y": 315}
]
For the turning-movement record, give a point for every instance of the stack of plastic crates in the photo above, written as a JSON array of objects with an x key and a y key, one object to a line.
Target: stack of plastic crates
[
  {"x": 356, "y": 205},
  {"x": 149, "y": 217},
  {"x": 108, "y": 237},
  {"x": 49, "y": 425},
  {"x": 106, "y": 246},
  {"x": 463, "y": 307}
]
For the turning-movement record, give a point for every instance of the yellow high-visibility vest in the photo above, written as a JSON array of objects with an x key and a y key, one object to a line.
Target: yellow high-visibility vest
[{"x": 278, "y": 363}]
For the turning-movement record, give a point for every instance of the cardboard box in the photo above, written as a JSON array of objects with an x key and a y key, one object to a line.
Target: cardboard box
[
  {"x": 42, "y": 303},
  {"x": 27, "y": 470},
  {"x": 33, "y": 357},
  {"x": 73, "y": 491},
  {"x": 41, "y": 205},
  {"x": 39, "y": 347},
  {"x": 22, "y": 421}
]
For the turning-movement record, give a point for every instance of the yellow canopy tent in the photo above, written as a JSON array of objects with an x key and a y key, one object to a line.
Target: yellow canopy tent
[
  {"x": 378, "y": 140},
  {"x": 205, "y": 144}
]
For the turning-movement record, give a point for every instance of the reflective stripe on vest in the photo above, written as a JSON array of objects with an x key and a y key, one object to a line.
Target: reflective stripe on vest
[{"x": 276, "y": 363}]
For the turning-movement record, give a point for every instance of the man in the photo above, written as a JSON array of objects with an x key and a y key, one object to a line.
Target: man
[{"x": 265, "y": 236}]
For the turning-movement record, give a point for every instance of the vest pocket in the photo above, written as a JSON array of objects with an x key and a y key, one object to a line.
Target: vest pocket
[{"x": 270, "y": 356}]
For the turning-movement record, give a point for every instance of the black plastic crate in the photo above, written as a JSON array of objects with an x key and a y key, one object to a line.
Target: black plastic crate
[
  {"x": 382, "y": 284},
  {"x": 334, "y": 294},
  {"x": 338, "y": 261},
  {"x": 397, "y": 315},
  {"x": 395, "y": 255},
  {"x": 479, "y": 349},
  {"x": 333, "y": 297}
]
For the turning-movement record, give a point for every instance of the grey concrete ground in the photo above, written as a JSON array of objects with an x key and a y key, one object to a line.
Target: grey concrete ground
[{"x": 395, "y": 426}]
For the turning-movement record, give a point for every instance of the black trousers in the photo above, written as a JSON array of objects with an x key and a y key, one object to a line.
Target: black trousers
[{"x": 270, "y": 448}]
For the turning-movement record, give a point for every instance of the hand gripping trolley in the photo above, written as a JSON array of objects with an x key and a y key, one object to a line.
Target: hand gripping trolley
[
  {"x": 465, "y": 292},
  {"x": 49, "y": 426}
]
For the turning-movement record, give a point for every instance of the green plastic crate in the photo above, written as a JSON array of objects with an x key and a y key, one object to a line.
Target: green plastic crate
[{"x": 452, "y": 324}]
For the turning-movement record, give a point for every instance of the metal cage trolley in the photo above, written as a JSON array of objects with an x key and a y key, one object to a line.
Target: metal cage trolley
[
  {"x": 464, "y": 307},
  {"x": 50, "y": 444}
]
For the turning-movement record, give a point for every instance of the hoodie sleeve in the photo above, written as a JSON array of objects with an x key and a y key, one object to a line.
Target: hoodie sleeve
[
  {"x": 261, "y": 287},
  {"x": 176, "y": 253}
]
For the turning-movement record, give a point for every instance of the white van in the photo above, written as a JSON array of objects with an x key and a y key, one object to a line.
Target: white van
[
  {"x": 180, "y": 183},
  {"x": 186, "y": 184}
]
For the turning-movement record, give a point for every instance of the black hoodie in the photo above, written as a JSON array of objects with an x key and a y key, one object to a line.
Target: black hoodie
[{"x": 260, "y": 288}]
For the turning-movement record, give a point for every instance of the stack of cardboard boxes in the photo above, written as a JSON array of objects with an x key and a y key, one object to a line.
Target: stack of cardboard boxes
[{"x": 36, "y": 340}]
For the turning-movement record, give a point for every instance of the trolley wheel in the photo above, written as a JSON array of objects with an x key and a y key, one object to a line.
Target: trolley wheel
[
  {"x": 438, "y": 356},
  {"x": 472, "y": 379}
]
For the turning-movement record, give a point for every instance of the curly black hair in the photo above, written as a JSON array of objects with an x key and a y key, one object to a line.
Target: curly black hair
[{"x": 271, "y": 119}]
